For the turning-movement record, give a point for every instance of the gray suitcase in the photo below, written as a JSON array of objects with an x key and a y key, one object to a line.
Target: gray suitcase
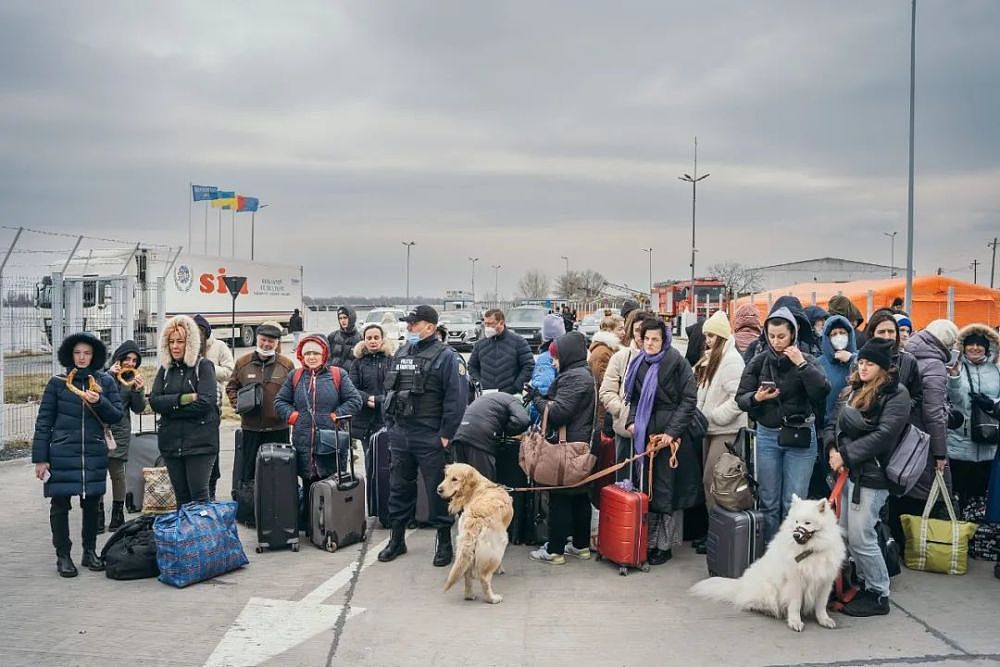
[
  {"x": 337, "y": 509},
  {"x": 143, "y": 452},
  {"x": 735, "y": 540}
]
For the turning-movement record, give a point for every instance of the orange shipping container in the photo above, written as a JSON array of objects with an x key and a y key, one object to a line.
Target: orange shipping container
[{"x": 973, "y": 303}]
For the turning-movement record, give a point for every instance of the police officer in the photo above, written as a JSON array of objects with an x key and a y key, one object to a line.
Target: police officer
[{"x": 426, "y": 392}]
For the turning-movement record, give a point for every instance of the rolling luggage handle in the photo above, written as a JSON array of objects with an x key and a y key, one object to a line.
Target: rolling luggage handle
[{"x": 338, "y": 475}]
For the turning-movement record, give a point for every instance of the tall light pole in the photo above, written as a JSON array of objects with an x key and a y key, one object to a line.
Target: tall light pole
[
  {"x": 473, "y": 260},
  {"x": 408, "y": 244},
  {"x": 909, "y": 190},
  {"x": 253, "y": 227},
  {"x": 892, "y": 253},
  {"x": 565, "y": 259},
  {"x": 693, "y": 180},
  {"x": 496, "y": 281},
  {"x": 650, "y": 251}
]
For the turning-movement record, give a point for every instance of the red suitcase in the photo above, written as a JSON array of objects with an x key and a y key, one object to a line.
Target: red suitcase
[
  {"x": 623, "y": 528},
  {"x": 606, "y": 457}
]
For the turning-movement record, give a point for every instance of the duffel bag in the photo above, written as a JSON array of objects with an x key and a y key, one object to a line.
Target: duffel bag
[
  {"x": 197, "y": 542},
  {"x": 130, "y": 553},
  {"x": 935, "y": 545}
]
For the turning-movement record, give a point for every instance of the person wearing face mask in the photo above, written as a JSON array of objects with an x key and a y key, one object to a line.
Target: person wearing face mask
[
  {"x": 974, "y": 385},
  {"x": 268, "y": 367},
  {"x": 838, "y": 357},
  {"x": 783, "y": 389},
  {"x": 501, "y": 360},
  {"x": 426, "y": 396}
]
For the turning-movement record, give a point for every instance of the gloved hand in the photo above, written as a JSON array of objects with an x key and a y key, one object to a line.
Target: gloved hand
[{"x": 187, "y": 399}]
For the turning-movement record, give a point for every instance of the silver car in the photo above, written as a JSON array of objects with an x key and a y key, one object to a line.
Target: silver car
[
  {"x": 589, "y": 326},
  {"x": 389, "y": 320},
  {"x": 463, "y": 328}
]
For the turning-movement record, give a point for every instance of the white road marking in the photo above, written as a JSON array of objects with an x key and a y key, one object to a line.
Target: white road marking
[{"x": 267, "y": 628}]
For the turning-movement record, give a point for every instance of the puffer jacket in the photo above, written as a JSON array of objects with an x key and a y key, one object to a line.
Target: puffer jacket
[
  {"x": 717, "y": 400},
  {"x": 931, "y": 358},
  {"x": 342, "y": 341},
  {"x": 68, "y": 436},
  {"x": 803, "y": 390},
  {"x": 491, "y": 418},
  {"x": 866, "y": 439},
  {"x": 308, "y": 405},
  {"x": 805, "y": 337},
  {"x": 571, "y": 397},
  {"x": 191, "y": 429},
  {"x": 502, "y": 362},
  {"x": 270, "y": 372},
  {"x": 133, "y": 400},
  {"x": 981, "y": 378},
  {"x": 612, "y": 389},
  {"x": 368, "y": 375},
  {"x": 836, "y": 371},
  {"x": 221, "y": 357},
  {"x": 602, "y": 348}
]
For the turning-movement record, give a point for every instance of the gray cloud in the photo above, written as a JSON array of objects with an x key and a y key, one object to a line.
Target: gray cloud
[{"x": 516, "y": 132}]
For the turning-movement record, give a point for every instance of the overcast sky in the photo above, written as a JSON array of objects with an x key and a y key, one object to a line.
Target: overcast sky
[{"x": 516, "y": 132}]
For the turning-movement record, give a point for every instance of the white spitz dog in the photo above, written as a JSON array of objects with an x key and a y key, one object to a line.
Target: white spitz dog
[{"x": 795, "y": 574}]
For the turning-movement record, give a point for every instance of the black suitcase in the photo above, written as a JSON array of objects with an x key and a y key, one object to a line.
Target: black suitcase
[
  {"x": 143, "y": 452},
  {"x": 276, "y": 498},
  {"x": 337, "y": 507},
  {"x": 243, "y": 482},
  {"x": 522, "y": 527},
  {"x": 377, "y": 465},
  {"x": 735, "y": 540}
]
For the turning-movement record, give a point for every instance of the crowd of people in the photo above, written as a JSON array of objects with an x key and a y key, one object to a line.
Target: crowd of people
[{"x": 823, "y": 391}]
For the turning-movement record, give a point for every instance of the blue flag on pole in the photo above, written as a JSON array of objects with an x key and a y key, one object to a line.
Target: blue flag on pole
[
  {"x": 248, "y": 204},
  {"x": 204, "y": 192}
]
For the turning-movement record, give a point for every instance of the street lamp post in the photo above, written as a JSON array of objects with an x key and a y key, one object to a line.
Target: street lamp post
[
  {"x": 565, "y": 259},
  {"x": 892, "y": 252},
  {"x": 496, "y": 281},
  {"x": 693, "y": 180},
  {"x": 909, "y": 190},
  {"x": 408, "y": 244},
  {"x": 650, "y": 251},
  {"x": 253, "y": 227},
  {"x": 473, "y": 260}
]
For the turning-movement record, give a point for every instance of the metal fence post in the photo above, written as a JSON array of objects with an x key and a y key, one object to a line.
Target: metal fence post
[
  {"x": 870, "y": 305},
  {"x": 58, "y": 325},
  {"x": 951, "y": 304}
]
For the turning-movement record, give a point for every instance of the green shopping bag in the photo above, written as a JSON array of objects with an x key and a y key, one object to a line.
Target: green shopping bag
[{"x": 936, "y": 545}]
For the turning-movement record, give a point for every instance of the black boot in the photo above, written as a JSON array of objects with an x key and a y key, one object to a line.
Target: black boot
[
  {"x": 64, "y": 565},
  {"x": 117, "y": 515},
  {"x": 444, "y": 553},
  {"x": 397, "y": 544},
  {"x": 100, "y": 517},
  {"x": 92, "y": 561}
]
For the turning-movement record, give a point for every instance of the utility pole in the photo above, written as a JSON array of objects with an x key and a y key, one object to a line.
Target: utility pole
[
  {"x": 908, "y": 307},
  {"x": 993, "y": 264},
  {"x": 693, "y": 180},
  {"x": 408, "y": 244},
  {"x": 975, "y": 271},
  {"x": 650, "y": 252},
  {"x": 473, "y": 260}
]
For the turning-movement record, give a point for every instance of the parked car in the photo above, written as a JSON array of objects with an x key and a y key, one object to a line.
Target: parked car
[
  {"x": 390, "y": 321},
  {"x": 463, "y": 328},
  {"x": 590, "y": 324},
  {"x": 526, "y": 321}
]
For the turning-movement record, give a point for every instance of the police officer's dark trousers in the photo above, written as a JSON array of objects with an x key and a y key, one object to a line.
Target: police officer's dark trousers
[{"x": 416, "y": 449}]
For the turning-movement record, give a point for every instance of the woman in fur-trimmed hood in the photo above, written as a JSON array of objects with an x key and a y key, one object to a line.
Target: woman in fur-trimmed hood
[
  {"x": 186, "y": 398},
  {"x": 69, "y": 450},
  {"x": 372, "y": 354},
  {"x": 973, "y": 384}
]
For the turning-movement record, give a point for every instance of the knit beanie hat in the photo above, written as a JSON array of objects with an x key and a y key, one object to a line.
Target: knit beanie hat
[
  {"x": 629, "y": 306},
  {"x": 553, "y": 326},
  {"x": 878, "y": 351},
  {"x": 976, "y": 338},
  {"x": 903, "y": 321},
  {"x": 718, "y": 324},
  {"x": 945, "y": 331},
  {"x": 311, "y": 346}
]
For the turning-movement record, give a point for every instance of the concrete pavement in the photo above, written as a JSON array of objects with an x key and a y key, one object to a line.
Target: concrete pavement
[{"x": 316, "y": 608}]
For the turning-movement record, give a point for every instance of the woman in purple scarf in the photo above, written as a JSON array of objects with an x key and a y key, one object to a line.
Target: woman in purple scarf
[{"x": 663, "y": 397}]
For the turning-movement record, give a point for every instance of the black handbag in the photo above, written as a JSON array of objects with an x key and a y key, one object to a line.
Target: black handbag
[
  {"x": 794, "y": 436},
  {"x": 984, "y": 428},
  {"x": 249, "y": 397}
]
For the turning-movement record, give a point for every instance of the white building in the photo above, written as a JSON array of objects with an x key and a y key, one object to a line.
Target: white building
[{"x": 822, "y": 270}]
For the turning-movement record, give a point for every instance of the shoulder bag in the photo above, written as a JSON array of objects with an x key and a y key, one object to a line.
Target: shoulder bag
[
  {"x": 984, "y": 428},
  {"x": 555, "y": 464}
]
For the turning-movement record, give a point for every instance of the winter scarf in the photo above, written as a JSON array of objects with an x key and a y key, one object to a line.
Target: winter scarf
[{"x": 644, "y": 410}]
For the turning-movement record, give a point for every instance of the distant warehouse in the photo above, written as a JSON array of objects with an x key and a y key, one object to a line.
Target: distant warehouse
[{"x": 822, "y": 270}]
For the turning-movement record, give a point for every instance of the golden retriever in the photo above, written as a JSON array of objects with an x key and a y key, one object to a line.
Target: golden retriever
[{"x": 485, "y": 512}]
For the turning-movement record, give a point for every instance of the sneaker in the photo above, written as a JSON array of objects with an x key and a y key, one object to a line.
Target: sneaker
[
  {"x": 867, "y": 603},
  {"x": 582, "y": 554},
  {"x": 542, "y": 554}
]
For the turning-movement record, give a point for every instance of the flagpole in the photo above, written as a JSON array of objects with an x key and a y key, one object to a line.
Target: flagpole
[
  {"x": 253, "y": 226},
  {"x": 190, "y": 206},
  {"x": 232, "y": 248},
  {"x": 206, "y": 227},
  {"x": 220, "y": 231}
]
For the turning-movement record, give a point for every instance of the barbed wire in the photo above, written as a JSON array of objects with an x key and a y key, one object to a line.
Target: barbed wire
[{"x": 44, "y": 232}]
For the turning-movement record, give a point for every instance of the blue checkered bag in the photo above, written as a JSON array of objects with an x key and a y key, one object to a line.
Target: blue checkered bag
[{"x": 197, "y": 542}]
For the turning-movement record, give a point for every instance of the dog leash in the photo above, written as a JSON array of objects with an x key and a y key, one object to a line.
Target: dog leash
[{"x": 657, "y": 443}]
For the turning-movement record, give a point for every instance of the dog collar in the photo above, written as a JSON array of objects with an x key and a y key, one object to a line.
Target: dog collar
[{"x": 802, "y": 556}]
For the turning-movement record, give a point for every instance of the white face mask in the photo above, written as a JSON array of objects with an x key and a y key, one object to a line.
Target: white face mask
[
  {"x": 265, "y": 353},
  {"x": 839, "y": 341},
  {"x": 489, "y": 332}
]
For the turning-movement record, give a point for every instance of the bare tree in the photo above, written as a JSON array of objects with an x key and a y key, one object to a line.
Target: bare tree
[
  {"x": 580, "y": 285},
  {"x": 739, "y": 279},
  {"x": 533, "y": 285}
]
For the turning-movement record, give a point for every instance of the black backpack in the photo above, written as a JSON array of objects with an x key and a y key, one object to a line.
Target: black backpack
[{"x": 131, "y": 552}]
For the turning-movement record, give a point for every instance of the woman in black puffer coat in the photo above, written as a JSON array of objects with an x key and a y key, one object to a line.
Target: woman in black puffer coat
[
  {"x": 69, "y": 450},
  {"x": 571, "y": 405},
  {"x": 372, "y": 356},
  {"x": 186, "y": 398}
]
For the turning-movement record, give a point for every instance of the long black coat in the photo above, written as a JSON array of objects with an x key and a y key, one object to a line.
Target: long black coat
[
  {"x": 673, "y": 411},
  {"x": 186, "y": 430},
  {"x": 368, "y": 375}
]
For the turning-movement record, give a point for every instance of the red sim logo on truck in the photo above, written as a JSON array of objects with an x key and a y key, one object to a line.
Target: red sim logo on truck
[{"x": 210, "y": 283}]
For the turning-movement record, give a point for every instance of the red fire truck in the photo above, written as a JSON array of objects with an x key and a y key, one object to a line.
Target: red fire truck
[{"x": 673, "y": 297}]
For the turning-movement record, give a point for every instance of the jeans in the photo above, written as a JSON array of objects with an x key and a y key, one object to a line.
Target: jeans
[
  {"x": 781, "y": 472},
  {"x": 189, "y": 476},
  {"x": 858, "y": 521}
]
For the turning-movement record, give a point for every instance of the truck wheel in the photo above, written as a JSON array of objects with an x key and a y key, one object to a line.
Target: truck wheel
[{"x": 247, "y": 335}]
